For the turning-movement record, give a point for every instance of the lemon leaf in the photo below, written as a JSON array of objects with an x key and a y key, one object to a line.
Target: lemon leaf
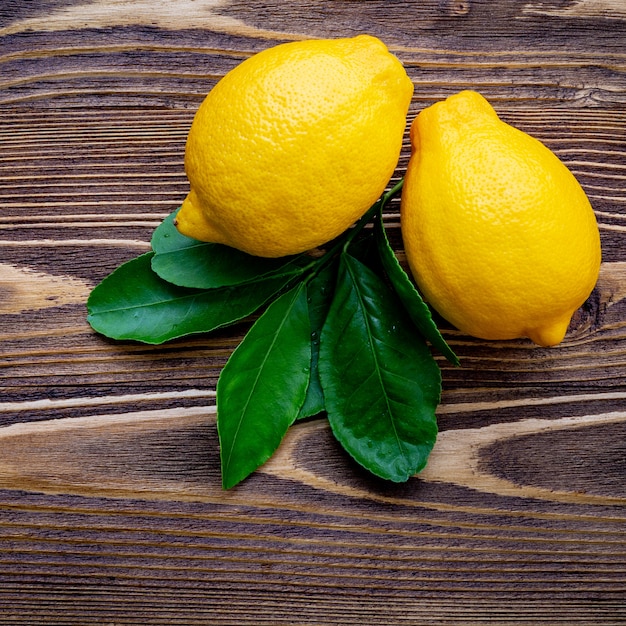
[
  {"x": 416, "y": 307},
  {"x": 263, "y": 385},
  {"x": 320, "y": 292},
  {"x": 134, "y": 303},
  {"x": 187, "y": 262},
  {"x": 381, "y": 384}
]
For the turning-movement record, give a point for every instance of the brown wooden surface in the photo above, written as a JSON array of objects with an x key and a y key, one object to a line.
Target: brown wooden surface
[{"x": 110, "y": 505}]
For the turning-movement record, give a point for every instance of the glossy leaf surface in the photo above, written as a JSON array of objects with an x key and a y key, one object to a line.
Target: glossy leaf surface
[
  {"x": 381, "y": 384},
  {"x": 320, "y": 293},
  {"x": 134, "y": 303},
  {"x": 263, "y": 385},
  {"x": 414, "y": 304},
  {"x": 188, "y": 262}
]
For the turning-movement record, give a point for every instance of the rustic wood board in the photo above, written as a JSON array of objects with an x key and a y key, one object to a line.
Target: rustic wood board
[{"x": 110, "y": 505}]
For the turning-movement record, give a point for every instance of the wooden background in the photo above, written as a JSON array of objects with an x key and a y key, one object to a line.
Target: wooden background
[{"x": 110, "y": 505}]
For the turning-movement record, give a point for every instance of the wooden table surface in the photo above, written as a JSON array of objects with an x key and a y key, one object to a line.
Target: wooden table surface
[{"x": 111, "y": 510}]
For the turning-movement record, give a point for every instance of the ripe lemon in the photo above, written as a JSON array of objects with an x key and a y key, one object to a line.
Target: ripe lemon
[
  {"x": 293, "y": 145},
  {"x": 499, "y": 235}
]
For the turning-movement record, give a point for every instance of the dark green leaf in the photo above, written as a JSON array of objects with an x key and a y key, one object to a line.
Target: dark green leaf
[
  {"x": 410, "y": 297},
  {"x": 187, "y": 262},
  {"x": 319, "y": 294},
  {"x": 365, "y": 249},
  {"x": 381, "y": 384},
  {"x": 262, "y": 387},
  {"x": 134, "y": 303}
]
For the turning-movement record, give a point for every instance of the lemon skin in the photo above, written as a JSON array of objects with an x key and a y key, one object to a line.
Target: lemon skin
[
  {"x": 293, "y": 145},
  {"x": 499, "y": 234}
]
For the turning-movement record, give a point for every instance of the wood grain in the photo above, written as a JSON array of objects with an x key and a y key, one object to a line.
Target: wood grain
[{"x": 111, "y": 510}]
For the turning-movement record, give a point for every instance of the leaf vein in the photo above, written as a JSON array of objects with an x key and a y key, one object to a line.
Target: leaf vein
[{"x": 377, "y": 369}]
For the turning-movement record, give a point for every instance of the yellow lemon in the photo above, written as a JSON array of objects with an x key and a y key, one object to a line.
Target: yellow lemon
[
  {"x": 499, "y": 235},
  {"x": 293, "y": 145}
]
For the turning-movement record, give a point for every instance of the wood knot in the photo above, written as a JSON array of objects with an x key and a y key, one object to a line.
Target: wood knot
[{"x": 458, "y": 7}]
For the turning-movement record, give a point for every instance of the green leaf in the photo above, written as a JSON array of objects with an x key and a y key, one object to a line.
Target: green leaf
[
  {"x": 134, "y": 303},
  {"x": 187, "y": 262},
  {"x": 416, "y": 307},
  {"x": 381, "y": 384},
  {"x": 263, "y": 385},
  {"x": 320, "y": 292}
]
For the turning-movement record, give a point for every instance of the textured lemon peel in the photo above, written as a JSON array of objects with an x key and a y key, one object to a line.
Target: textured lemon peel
[{"x": 498, "y": 233}]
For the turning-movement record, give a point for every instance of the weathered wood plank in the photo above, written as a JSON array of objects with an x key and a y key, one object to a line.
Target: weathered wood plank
[{"x": 110, "y": 505}]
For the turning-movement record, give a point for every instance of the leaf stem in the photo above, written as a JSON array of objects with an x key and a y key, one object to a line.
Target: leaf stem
[
  {"x": 372, "y": 211},
  {"x": 344, "y": 241}
]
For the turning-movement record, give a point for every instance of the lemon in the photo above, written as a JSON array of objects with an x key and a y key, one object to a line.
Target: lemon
[
  {"x": 293, "y": 145},
  {"x": 499, "y": 235}
]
